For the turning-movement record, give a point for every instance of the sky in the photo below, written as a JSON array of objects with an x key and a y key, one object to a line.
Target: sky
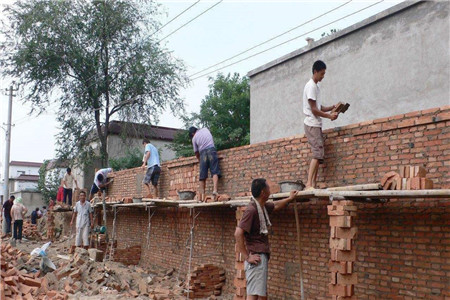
[{"x": 225, "y": 30}]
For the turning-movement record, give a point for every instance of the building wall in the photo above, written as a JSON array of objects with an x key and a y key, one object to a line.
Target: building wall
[
  {"x": 24, "y": 185},
  {"x": 402, "y": 246},
  {"x": 382, "y": 66},
  {"x": 16, "y": 171},
  {"x": 117, "y": 147}
]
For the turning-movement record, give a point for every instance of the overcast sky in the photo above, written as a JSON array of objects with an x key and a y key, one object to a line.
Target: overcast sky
[{"x": 222, "y": 32}]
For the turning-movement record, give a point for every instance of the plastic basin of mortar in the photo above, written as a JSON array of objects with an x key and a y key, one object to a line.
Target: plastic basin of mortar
[
  {"x": 186, "y": 195},
  {"x": 287, "y": 186}
]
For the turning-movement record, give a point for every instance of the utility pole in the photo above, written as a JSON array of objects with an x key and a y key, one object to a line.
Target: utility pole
[{"x": 11, "y": 91}]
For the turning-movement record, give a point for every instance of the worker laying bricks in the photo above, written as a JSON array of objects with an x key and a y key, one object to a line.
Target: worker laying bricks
[
  {"x": 100, "y": 181},
  {"x": 206, "y": 153},
  {"x": 83, "y": 212},
  {"x": 254, "y": 228},
  {"x": 151, "y": 159},
  {"x": 314, "y": 111}
]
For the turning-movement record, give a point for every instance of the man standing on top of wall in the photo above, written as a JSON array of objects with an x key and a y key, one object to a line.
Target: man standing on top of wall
[
  {"x": 252, "y": 237},
  {"x": 206, "y": 153},
  {"x": 314, "y": 111},
  {"x": 151, "y": 159},
  {"x": 100, "y": 181},
  {"x": 67, "y": 184}
]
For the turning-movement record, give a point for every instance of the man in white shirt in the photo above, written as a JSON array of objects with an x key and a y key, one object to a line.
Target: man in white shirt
[
  {"x": 67, "y": 184},
  {"x": 83, "y": 212},
  {"x": 100, "y": 181},
  {"x": 314, "y": 111}
]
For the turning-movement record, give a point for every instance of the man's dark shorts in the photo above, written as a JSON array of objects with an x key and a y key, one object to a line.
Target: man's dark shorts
[
  {"x": 152, "y": 175},
  {"x": 209, "y": 160},
  {"x": 95, "y": 189},
  {"x": 316, "y": 141}
]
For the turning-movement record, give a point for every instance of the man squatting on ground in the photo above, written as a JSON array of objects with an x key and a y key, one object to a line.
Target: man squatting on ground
[
  {"x": 314, "y": 111},
  {"x": 252, "y": 237},
  {"x": 83, "y": 212},
  {"x": 151, "y": 159},
  {"x": 100, "y": 181},
  {"x": 206, "y": 153}
]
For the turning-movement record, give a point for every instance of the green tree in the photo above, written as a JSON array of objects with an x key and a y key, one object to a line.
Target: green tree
[
  {"x": 49, "y": 181},
  {"x": 96, "y": 60},
  {"x": 225, "y": 111},
  {"x": 132, "y": 159}
]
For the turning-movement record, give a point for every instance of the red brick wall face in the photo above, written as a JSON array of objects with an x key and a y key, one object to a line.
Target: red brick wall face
[{"x": 402, "y": 247}]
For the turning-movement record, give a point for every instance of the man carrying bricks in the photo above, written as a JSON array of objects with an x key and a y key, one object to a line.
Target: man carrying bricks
[
  {"x": 314, "y": 112},
  {"x": 83, "y": 212},
  {"x": 151, "y": 159},
  {"x": 252, "y": 237},
  {"x": 206, "y": 153}
]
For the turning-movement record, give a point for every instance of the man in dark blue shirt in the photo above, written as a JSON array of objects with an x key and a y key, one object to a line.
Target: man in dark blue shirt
[
  {"x": 7, "y": 213},
  {"x": 35, "y": 215}
]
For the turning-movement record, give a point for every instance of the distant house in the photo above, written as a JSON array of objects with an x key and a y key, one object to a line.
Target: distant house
[
  {"x": 23, "y": 182},
  {"x": 125, "y": 136}
]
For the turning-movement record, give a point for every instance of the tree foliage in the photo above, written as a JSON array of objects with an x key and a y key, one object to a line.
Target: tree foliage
[
  {"x": 49, "y": 181},
  {"x": 225, "y": 111},
  {"x": 132, "y": 159},
  {"x": 95, "y": 60}
]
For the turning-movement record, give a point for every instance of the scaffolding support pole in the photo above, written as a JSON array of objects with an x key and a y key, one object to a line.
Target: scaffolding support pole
[
  {"x": 111, "y": 244},
  {"x": 299, "y": 244},
  {"x": 150, "y": 215},
  {"x": 191, "y": 248}
]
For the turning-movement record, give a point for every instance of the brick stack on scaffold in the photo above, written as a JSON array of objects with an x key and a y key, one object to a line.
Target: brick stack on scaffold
[{"x": 343, "y": 253}]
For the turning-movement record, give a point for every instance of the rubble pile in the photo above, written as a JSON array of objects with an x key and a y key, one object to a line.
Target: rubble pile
[
  {"x": 19, "y": 284},
  {"x": 31, "y": 232}
]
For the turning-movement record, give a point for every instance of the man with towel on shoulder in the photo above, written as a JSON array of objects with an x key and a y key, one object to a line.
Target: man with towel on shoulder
[{"x": 252, "y": 237}]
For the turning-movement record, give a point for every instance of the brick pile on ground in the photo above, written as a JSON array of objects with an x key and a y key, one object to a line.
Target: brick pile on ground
[
  {"x": 50, "y": 225},
  {"x": 408, "y": 178},
  {"x": 17, "y": 284},
  {"x": 31, "y": 231},
  {"x": 206, "y": 280}
]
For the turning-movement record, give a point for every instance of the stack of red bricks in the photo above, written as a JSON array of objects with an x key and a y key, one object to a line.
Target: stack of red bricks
[
  {"x": 17, "y": 284},
  {"x": 128, "y": 256},
  {"x": 239, "y": 280},
  {"x": 343, "y": 252},
  {"x": 50, "y": 225},
  {"x": 206, "y": 280},
  {"x": 408, "y": 178},
  {"x": 30, "y": 231}
]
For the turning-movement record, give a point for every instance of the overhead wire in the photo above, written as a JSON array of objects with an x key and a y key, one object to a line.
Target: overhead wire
[
  {"x": 285, "y": 42},
  {"x": 271, "y": 39},
  {"x": 211, "y": 7}
]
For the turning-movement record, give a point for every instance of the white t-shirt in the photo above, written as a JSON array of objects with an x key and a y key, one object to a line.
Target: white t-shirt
[
  {"x": 312, "y": 92},
  {"x": 104, "y": 172},
  {"x": 83, "y": 211}
]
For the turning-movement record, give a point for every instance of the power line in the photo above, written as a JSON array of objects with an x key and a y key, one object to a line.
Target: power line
[
  {"x": 285, "y": 42},
  {"x": 175, "y": 17},
  {"x": 271, "y": 39},
  {"x": 191, "y": 20}
]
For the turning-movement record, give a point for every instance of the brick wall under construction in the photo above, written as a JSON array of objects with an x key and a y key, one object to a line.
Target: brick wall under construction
[{"x": 402, "y": 247}]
